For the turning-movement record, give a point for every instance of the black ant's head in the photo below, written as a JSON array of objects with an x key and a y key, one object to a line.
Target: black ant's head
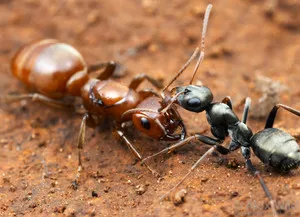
[{"x": 194, "y": 98}]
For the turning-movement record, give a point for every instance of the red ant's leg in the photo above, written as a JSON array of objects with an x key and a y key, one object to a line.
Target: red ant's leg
[
  {"x": 39, "y": 98},
  {"x": 109, "y": 68},
  {"x": 135, "y": 152},
  {"x": 81, "y": 138},
  {"x": 137, "y": 80}
]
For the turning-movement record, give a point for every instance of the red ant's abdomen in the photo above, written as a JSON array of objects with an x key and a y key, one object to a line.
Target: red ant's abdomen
[{"x": 46, "y": 66}]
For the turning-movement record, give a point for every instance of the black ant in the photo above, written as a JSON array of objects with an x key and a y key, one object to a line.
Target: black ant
[
  {"x": 56, "y": 70},
  {"x": 271, "y": 145}
]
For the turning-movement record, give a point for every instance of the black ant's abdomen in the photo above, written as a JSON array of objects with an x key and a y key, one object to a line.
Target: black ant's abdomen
[{"x": 276, "y": 148}]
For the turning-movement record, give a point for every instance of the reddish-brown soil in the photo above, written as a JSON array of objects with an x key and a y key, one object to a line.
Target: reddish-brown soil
[{"x": 38, "y": 155}]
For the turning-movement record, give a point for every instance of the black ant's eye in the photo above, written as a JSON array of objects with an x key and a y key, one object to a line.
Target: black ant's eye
[
  {"x": 145, "y": 123},
  {"x": 194, "y": 102}
]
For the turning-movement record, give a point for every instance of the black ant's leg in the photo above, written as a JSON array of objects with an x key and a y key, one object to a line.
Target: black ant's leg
[
  {"x": 215, "y": 147},
  {"x": 227, "y": 101},
  {"x": 109, "y": 66},
  {"x": 233, "y": 144},
  {"x": 135, "y": 152},
  {"x": 213, "y": 142},
  {"x": 255, "y": 172},
  {"x": 80, "y": 142},
  {"x": 204, "y": 139},
  {"x": 172, "y": 147},
  {"x": 272, "y": 115},
  {"x": 189, "y": 172},
  {"x": 137, "y": 80},
  {"x": 246, "y": 109},
  {"x": 39, "y": 98},
  {"x": 207, "y": 140},
  {"x": 251, "y": 168},
  {"x": 247, "y": 101}
]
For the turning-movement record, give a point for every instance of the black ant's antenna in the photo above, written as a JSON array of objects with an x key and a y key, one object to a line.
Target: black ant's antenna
[
  {"x": 182, "y": 69},
  {"x": 204, "y": 28}
]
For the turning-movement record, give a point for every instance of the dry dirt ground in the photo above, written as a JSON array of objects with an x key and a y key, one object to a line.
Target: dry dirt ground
[{"x": 38, "y": 157}]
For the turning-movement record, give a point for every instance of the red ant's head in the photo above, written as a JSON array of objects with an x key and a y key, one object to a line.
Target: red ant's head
[{"x": 150, "y": 118}]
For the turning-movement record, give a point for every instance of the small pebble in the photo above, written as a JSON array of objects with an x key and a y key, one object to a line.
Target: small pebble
[
  {"x": 3, "y": 141},
  {"x": 94, "y": 194},
  {"x": 33, "y": 205},
  {"x": 140, "y": 189},
  {"x": 234, "y": 194},
  {"x": 52, "y": 191},
  {"x": 179, "y": 197},
  {"x": 12, "y": 188},
  {"x": 204, "y": 179},
  {"x": 296, "y": 186},
  {"x": 59, "y": 209},
  {"x": 106, "y": 189},
  {"x": 232, "y": 164}
]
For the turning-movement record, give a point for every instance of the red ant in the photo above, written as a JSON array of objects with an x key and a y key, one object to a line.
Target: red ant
[{"x": 56, "y": 70}]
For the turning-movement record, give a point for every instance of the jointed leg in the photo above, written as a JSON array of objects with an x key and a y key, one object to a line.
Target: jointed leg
[
  {"x": 110, "y": 67},
  {"x": 135, "y": 152},
  {"x": 147, "y": 93},
  {"x": 39, "y": 98},
  {"x": 207, "y": 140},
  {"x": 227, "y": 101},
  {"x": 272, "y": 115},
  {"x": 171, "y": 148},
  {"x": 233, "y": 145},
  {"x": 252, "y": 169},
  {"x": 204, "y": 139},
  {"x": 246, "y": 109},
  {"x": 137, "y": 80},
  {"x": 190, "y": 171},
  {"x": 80, "y": 142}
]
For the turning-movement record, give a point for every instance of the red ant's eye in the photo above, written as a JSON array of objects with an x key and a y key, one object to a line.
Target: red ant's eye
[{"x": 145, "y": 123}]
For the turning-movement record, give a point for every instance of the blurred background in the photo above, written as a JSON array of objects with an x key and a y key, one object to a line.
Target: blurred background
[{"x": 252, "y": 49}]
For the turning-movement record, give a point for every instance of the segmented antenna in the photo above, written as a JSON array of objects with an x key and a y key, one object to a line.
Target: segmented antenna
[
  {"x": 204, "y": 28},
  {"x": 205, "y": 23},
  {"x": 182, "y": 68}
]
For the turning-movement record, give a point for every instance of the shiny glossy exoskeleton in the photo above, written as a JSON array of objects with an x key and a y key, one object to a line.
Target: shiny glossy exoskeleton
[
  {"x": 275, "y": 147},
  {"x": 55, "y": 70},
  {"x": 272, "y": 146}
]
